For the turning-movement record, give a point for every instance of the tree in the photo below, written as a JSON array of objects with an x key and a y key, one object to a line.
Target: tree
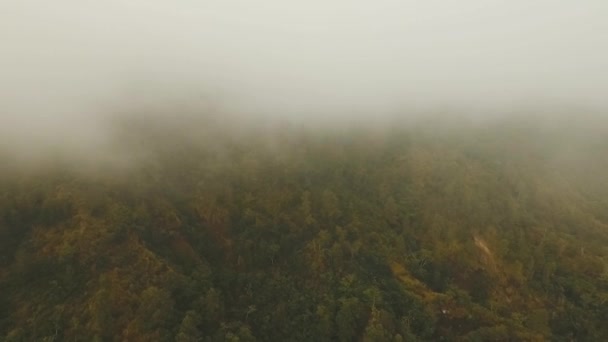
[
  {"x": 154, "y": 314},
  {"x": 188, "y": 329},
  {"x": 349, "y": 319}
]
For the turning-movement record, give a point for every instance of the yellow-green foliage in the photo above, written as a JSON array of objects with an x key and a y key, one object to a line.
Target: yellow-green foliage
[{"x": 476, "y": 233}]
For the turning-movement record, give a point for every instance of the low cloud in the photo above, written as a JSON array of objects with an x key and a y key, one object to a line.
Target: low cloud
[{"x": 67, "y": 65}]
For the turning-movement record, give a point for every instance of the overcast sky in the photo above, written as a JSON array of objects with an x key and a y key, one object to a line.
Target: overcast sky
[{"x": 63, "y": 61}]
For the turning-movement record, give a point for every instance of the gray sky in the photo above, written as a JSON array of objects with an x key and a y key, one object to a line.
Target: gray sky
[{"x": 62, "y": 62}]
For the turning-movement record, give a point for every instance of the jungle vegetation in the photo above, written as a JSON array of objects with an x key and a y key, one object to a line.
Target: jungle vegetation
[{"x": 438, "y": 230}]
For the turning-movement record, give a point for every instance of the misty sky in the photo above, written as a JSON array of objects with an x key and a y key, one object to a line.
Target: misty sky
[{"x": 64, "y": 62}]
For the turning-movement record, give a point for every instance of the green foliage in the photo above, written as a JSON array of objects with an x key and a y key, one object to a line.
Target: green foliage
[
  {"x": 402, "y": 235},
  {"x": 188, "y": 329}
]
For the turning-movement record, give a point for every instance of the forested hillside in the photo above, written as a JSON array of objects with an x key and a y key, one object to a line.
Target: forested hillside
[{"x": 428, "y": 231}]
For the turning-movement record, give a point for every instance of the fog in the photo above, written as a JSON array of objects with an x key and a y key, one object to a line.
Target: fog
[{"x": 67, "y": 65}]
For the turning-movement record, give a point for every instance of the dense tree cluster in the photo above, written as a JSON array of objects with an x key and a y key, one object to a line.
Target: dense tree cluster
[{"x": 424, "y": 232}]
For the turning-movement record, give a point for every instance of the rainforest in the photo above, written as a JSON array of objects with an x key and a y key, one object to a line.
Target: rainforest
[
  {"x": 320, "y": 170},
  {"x": 435, "y": 230}
]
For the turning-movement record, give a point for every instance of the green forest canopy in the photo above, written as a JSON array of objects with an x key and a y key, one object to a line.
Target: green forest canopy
[{"x": 435, "y": 231}]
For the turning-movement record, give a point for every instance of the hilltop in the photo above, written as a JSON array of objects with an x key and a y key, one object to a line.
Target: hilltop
[{"x": 452, "y": 231}]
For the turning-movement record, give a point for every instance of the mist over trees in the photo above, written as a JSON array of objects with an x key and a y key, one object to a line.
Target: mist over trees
[
  {"x": 342, "y": 170},
  {"x": 427, "y": 231}
]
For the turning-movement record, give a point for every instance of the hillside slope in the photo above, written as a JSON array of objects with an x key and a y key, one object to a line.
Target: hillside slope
[{"x": 488, "y": 232}]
